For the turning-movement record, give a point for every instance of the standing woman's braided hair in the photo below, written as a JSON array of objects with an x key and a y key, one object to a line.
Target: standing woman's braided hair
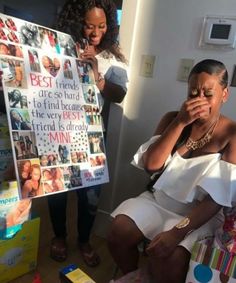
[{"x": 71, "y": 21}]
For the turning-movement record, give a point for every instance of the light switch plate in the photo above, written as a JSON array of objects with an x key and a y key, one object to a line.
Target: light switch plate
[
  {"x": 147, "y": 65},
  {"x": 184, "y": 69}
]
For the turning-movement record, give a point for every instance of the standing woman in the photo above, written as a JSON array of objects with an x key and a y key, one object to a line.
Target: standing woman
[{"x": 93, "y": 21}]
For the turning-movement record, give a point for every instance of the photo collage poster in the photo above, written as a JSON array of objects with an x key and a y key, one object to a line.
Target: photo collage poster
[{"x": 53, "y": 110}]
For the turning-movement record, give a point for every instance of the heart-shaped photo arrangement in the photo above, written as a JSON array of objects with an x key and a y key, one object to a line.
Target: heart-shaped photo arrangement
[{"x": 51, "y": 65}]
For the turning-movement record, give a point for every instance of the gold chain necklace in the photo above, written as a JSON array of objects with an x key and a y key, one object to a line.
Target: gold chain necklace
[{"x": 193, "y": 145}]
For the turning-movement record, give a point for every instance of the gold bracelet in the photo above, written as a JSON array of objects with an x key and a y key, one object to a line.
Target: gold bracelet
[{"x": 183, "y": 223}]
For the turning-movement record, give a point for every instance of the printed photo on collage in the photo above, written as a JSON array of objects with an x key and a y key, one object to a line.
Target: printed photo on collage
[
  {"x": 79, "y": 157},
  {"x": 51, "y": 65},
  {"x": 17, "y": 98},
  {"x": 25, "y": 145},
  {"x": 13, "y": 73},
  {"x": 9, "y": 30},
  {"x": 34, "y": 60},
  {"x": 20, "y": 119},
  {"x": 99, "y": 160},
  {"x": 92, "y": 114},
  {"x": 89, "y": 94},
  {"x": 52, "y": 180},
  {"x": 96, "y": 142},
  {"x": 29, "y": 35},
  {"x": 49, "y": 40},
  {"x": 67, "y": 45},
  {"x": 85, "y": 72},
  {"x": 30, "y": 177},
  {"x": 67, "y": 69},
  {"x": 11, "y": 50}
]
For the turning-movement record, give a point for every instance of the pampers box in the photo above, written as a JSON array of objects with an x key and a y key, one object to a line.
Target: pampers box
[
  {"x": 13, "y": 211},
  {"x": 18, "y": 255}
]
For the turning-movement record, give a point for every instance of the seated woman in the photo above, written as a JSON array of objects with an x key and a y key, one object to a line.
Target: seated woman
[{"x": 191, "y": 159}]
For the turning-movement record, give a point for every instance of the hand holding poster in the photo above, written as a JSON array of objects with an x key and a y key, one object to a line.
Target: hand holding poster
[{"x": 53, "y": 110}]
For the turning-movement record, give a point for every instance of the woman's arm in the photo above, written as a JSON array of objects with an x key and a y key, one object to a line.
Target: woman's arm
[
  {"x": 165, "y": 243},
  {"x": 170, "y": 129},
  {"x": 110, "y": 91}
]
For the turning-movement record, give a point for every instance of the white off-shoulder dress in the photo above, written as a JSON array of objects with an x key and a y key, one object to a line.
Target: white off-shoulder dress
[{"x": 181, "y": 186}]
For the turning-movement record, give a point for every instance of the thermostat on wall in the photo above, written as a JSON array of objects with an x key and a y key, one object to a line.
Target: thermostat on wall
[{"x": 218, "y": 31}]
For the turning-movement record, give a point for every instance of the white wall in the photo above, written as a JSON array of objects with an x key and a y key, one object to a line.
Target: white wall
[{"x": 170, "y": 30}]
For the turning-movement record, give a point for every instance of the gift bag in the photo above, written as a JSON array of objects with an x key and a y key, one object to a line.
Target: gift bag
[{"x": 211, "y": 265}]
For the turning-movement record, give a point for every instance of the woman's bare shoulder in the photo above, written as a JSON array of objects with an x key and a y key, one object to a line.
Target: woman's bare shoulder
[
  {"x": 229, "y": 133},
  {"x": 229, "y": 126}
]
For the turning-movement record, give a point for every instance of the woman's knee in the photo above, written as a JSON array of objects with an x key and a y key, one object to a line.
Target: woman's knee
[
  {"x": 177, "y": 262},
  {"x": 124, "y": 231}
]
